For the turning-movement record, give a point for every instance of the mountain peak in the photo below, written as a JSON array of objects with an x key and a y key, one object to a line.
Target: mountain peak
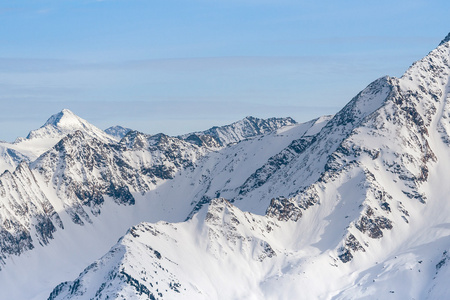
[
  {"x": 65, "y": 122},
  {"x": 64, "y": 118},
  {"x": 445, "y": 40}
]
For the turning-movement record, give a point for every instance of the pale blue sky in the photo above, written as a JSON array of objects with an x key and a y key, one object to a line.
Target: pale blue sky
[{"x": 179, "y": 66}]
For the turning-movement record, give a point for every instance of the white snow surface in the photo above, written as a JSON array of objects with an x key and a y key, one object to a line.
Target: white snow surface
[{"x": 350, "y": 206}]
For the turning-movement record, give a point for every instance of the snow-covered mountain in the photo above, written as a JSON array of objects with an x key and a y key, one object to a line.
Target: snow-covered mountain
[
  {"x": 117, "y": 132},
  {"x": 86, "y": 181},
  {"x": 65, "y": 122},
  {"x": 350, "y": 206},
  {"x": 42, "y": 139},
  {"x": 246, "y": 128}
]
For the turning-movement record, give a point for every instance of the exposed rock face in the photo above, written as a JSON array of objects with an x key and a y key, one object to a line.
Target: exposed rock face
[
  {"x": 203, "y": 140},
  {"x": 284, "y": 209}
]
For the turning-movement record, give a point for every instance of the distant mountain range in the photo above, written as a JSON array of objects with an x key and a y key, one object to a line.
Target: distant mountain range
[{"x": 350, "y": 206}]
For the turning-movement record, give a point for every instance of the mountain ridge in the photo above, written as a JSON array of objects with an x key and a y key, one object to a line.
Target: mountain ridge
[{"x": 243, "y": 129}]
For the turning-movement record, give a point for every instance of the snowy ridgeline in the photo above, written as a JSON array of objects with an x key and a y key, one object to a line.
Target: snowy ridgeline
[{"x": 258, "y": 209}]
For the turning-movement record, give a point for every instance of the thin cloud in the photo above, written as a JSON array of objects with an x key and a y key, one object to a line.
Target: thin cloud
[
  {"x": 30, "y": 65},
  {"x": 44, "y": 11}
]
